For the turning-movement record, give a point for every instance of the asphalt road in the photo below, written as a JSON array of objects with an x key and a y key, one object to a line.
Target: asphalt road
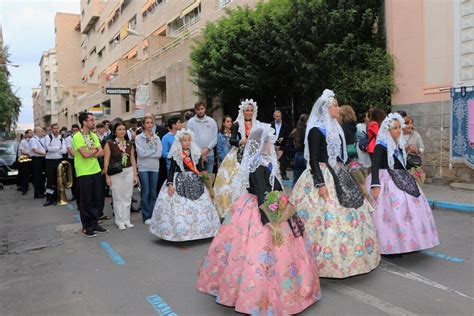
[{"x": 48, "y": 268}]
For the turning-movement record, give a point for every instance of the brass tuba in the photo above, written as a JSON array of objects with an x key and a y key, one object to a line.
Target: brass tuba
[
  {"x": 24, "y": 158},
  {"x": 64, "y": 181}
]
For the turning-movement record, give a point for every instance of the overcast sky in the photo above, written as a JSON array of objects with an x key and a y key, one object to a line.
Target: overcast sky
[{"x": 28, "y": 28}]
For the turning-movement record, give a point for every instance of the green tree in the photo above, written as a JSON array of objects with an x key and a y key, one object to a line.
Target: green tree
[
  {"x": 10, "y": 104},
  {"x": 290, "y": 51}
]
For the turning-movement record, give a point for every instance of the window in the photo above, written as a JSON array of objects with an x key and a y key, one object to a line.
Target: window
[
  {"x": 222, "y": 3},
  {"x": 151, "y": 8},
  {"x": 132, "y": 24},
  {"x": 100, "y": 54},
  {"x": 127, "y": 105},
  {"x": 114, "y": 41}
]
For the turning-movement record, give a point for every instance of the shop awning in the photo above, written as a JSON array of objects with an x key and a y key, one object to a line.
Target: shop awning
[
  {"x": 147, "y": 5},
  {"x": 131, "y": 53},
  {"x": 113, "y": 68},
  {"x": 123, "y": 30},
  {"x": 160, "y": 30},
  {"x": 190, "y": 8}
]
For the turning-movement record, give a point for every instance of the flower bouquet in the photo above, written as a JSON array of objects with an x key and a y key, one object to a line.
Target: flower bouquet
[
  {"x": 419, "y": 174},
  {"x": 278, "y": 209}
]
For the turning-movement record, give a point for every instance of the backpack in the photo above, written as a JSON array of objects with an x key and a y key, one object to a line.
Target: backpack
[{"x": 363, "y": 142}]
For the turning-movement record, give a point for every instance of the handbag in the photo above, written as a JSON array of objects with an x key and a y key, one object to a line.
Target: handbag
[
  {"x": 413, "y": 161},
  {"x": 114, "y": 168}
]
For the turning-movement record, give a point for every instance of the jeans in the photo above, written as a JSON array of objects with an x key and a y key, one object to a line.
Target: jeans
[
  {"x": 148, "y": 183},
  {"x": 210, "y": 164},
  {"x": 300, "y": 166}
]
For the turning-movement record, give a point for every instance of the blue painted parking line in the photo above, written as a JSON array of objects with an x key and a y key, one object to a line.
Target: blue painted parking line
[
  {"x": 71, "y": 207},
  {"x": 160, "y": 306},
  {"x": 442, "y": 256},
  {"x": 77, "y": 217},
  {"x": 114, "y": 256},
  {"x": 458, "y": 207}
]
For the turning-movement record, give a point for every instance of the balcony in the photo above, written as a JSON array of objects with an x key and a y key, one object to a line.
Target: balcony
[{"x": 90, "y": 15}]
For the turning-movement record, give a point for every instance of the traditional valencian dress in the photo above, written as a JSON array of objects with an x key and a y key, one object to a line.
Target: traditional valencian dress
[
  {"x": 340, "y": 231},
  {"x": 189, "y": 213},
  {"x": 244, "y": 267},
  {"x": 225, "y": 189},
  {"x": 403, "y": 217}
]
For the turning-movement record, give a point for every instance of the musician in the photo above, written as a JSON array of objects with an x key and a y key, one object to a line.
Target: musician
[
  {"x": 24, "y": 167},
  {"x": 70, "y": 157},
  {"x": 55, "y": 149},
  {"x": 37, "y": 153}
]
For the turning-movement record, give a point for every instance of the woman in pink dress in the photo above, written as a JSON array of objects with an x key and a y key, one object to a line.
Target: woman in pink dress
[
  {"x": 403, "y": 217},
  {"x": 245, "y": 267}
]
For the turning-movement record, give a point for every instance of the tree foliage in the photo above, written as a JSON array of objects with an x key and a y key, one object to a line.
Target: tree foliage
[
  {"x": 291, "y": 50},
  {"x": 10, "y": 104}
]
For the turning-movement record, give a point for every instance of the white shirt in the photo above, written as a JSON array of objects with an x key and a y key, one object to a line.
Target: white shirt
[
  {"x": 24, "y": 147},
  {"x": 277, "y": 129},
  {"x": 55, "y": 146},
  {"x": 68, "y": 144},
  {"x": 36, "y": 143}
]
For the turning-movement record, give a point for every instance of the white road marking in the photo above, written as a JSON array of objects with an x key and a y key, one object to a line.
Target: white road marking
[
  {"x": 368, "y": 299},
  {"x": 392, "y": 268}
]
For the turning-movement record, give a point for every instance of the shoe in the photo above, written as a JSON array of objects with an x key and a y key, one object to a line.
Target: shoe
[
  {"x": 19, "y": 189},
  {"x": 23, "y": 193},
  {"x": 121, "y": 226},
  {"x": 104, "y": 217},
  {"x": 99, "y": 229},
  {"x": 148, "y": 222},
  {"x": 48, "y": 203},
  {"x": 39, "y": 196},
  {"x": 89, "y": 233},
  {"x": 72, "y": 199},
  {"x": 129, "y": 225}
]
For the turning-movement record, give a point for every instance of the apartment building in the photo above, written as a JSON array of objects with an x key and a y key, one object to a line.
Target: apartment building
[
  {"x": 433, "y": 47},
  {"x": 49, "y": 88},
  {"x": 37, "y": 115},
  {"x": 113, "y": 57},
  {"x": 68, "y": 58}
]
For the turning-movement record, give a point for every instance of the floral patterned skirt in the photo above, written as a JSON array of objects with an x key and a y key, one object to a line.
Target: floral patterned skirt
[
  {"x": 179, "y": 218},
  {"x": 243, "y": 268},
  {"x": 344, "y": 240},
  {"x": 404, "y": 223},
  {"x": 224, "y": 192}
]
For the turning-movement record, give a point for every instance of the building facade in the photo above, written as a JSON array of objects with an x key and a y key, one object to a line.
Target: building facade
[
  {"x": 49, "y": 87},
  {"x": 68, "y": 58},
  {"x": 112, "y": 57},
  {"x": 432, "y": 44},
  {"x": 37, "y": 114}
]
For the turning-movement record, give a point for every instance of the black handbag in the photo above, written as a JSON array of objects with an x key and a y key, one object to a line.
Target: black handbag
[
  {"x": 413, "y": 161},
  {"x": 114, "y": 168}
]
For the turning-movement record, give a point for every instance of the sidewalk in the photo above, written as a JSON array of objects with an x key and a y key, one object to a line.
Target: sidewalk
[
  {"x": 447, "y": 198},
  {"x": 440, "y": 197}
]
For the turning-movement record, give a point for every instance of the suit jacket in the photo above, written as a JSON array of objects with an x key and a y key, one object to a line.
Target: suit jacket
[{"x": 284, "y": 132}]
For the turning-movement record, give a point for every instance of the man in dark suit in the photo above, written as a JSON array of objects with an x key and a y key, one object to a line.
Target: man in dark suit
[{"x": 282, "y": 130}]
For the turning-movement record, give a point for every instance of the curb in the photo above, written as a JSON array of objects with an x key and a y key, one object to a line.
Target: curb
[{"x": 449, "y": 206}]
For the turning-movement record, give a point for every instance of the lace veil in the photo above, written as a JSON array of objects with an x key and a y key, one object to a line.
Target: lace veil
[
  {"x": 384, "y": 138},
  {"x": 259, "y": 151},
  {"x": 177, "y": 150},
  {"x": 241, "y": 119},
  {"x": 321, "y": 119}
]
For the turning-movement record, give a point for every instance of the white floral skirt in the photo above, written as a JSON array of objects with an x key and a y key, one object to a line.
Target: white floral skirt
[{"x": 178, "y": 218}]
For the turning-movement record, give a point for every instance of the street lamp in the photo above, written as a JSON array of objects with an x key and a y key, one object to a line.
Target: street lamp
[
  {"x": 8, "y": 64},
  {"x": 135, "y": 33}
]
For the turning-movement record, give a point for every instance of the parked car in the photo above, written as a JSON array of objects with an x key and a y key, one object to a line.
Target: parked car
[{"x": 8, "y": 164}]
